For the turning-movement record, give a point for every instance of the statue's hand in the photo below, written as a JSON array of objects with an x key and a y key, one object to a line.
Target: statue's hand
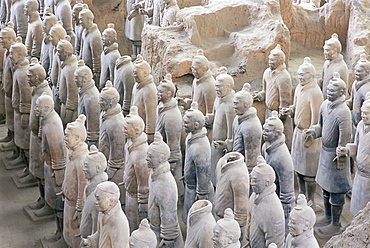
[
  {"x": 111, "y": 172},
  {"x": 220, "y": 144},
  {"x": 342, "y": 151},
  {"x": 167, "y": 243},
  {"x": 86, "y": 243},
  {"x": 285, "y": 111},
  {"x": 309, "y": 132},
  {"x": 257, "y": 97}
]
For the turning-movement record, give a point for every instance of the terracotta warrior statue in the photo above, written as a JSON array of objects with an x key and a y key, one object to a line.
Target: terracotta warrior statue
[
  {"x": 124, "y": 81},
  {"x": 222, "y": 118},
  {"x": 18, "y": 17},
  {"x": 88, "y": 101},
  {"x": 113, "y": 229},
  {"x": 334, "y": 62},
  {"x": 91, "y": 43},
  {"x": 143, "y": 237},
  {"x": 246, "y": 128},
  {"x": 36, "y": 78},
  {"x": 109, "y": 55},
  {"x": 359, "y": 89},
  {"x": 63, "y": 12},
  {"x": 232, "y": 189},
  {"x": 305, "y": 111},
  {"x": 21, "y": 102},
  {"x": 265, "y": 220},
  {"x": 169, "y": 13},
  {"x": 34, "y": 34},
  {"x": 68, "y": 91},
  {"x": 169, "y": 125},
  {"x": 47, "y": 48},
  {"x": 94, "y": 170},
  {"x": 333, "y": 174},
  {"x": 203, "y": 91},
  {"x": 200, "y": 224},
  {"x": 7, "y": 39},
  {"x": 54, "y": 154},
  {"x": 144, "y": 95},
  {"x": 57, "y": 33},
  {"x": 74, "y": 180},
  {"x": 136, "y": 170},
  {"x": 197, "y": 174},
  {"x": 301, "y": 221},
  {"x": 277, "y": 90},
  {"x": 278, "y": 157},
  {"x": 111, "y": 137},
  {"x": 163, "y": 203},
  {"x": 78, "y": 29},
  {"x": 226, "y": 232},
  {"x": 134, "y": 24},
  {"x": 359, "y": 150},
  {"x": 5, "y": 12}
]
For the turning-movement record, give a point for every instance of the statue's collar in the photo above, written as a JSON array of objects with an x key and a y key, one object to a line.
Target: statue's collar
[{"x": 161, "y": 169}]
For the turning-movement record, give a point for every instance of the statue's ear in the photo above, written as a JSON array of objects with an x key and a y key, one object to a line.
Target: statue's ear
[{"x": 196, "y": 125}]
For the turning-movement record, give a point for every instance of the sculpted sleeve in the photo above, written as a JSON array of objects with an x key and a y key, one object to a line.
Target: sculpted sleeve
[{"x": 142, "y": 174}]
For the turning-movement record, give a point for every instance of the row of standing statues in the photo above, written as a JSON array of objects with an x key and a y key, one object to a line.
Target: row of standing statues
[{"x": 115, "y": 154}]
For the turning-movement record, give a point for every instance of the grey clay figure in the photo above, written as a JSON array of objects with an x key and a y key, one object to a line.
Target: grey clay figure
[
  {"x": 74, "y": 180},
  {"x": 197, "y": 167},
  {"x": 91, "y": 43},
  {"x": 124, "y": 81},
  {"x": 246, "y": 127},
  {"x": 54, "y": 154},
  {"x": 57, "y": 33},
  {"x": 169, "y": 13},
  {"x": 36, "y": 79},
  {"x": 200, "y": 224},
  {"x": 334, "y": 62},
  {"x": 137, "y": 172},
  {"x": 34, "y": 34},
  {"x": 113, "y": 229},
  {"x": 68, "y": 91},
  {"x": 359, "y": 151},
  {"x": 78, "y": 29},
  {"x": 305, "y": 110},
  {"x": 301, "y": 222},
  {"x": 222, "y": 117},
  {"x": 134, "y": 24},
  {"x": 203, "y": 91},
  {"x": 265, "y": 220},
  {"x": 277, "y": 90},
  {"x": 63, "y": 12},
  {"x": 277, "y": 155},
  {"x": 111, "y": 138},
  {"x": 109, "y": 55},
  {"x": 94, "y": 168},
  {"x": 333, "y": 174},
  {"x": 226, "y": 232},
  {"x": 143, "y": 237},
  {"x": 7, "y": 39},
  {"x": 232, "y": 189},
  {"x": 21, "y": 102},
  {"x": 359, "y": 89},
  {"x": 47, "y": 47},
  {"x": 162, "y": 204},
  {"x": 19, "y": 19},
  {"x": 144, "y": 95},
  {"x": 88, "y": 101},
  {"x": 169, "y": 125}
]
